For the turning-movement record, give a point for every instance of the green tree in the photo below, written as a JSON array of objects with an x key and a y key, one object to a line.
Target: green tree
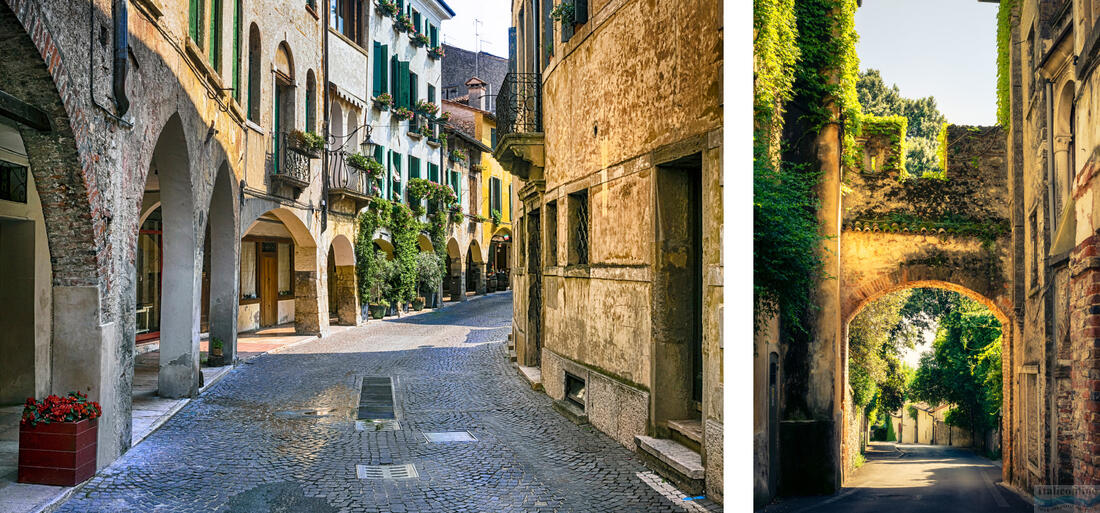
[
  {"x": 964, "y": 366},
  {"x": 925, "y": 120}
]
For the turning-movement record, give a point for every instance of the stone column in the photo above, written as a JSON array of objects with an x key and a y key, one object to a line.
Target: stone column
[
  {"x": 458, "y": 282},
  {"x": 308, "y": 318},
  {"x": 481, "y": 272},
  {"x": 347, "y": 298}
]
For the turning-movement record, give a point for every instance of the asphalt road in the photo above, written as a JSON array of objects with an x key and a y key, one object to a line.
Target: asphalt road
[
  {"x": 915, "y": 478},
  {"x": 278, "y": 434}
]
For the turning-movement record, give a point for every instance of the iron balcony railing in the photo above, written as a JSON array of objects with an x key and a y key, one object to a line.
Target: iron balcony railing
[
  {"x": 519, "y": 104},
  {"x": 293, "y": 165},
  {"x": 346, "y": 178}
]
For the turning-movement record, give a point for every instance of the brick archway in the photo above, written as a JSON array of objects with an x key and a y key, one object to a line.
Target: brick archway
[{"x": 75, "y": 215}]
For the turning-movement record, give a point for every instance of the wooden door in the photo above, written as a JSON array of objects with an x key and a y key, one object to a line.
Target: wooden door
[{"x": 269, "y": 289}]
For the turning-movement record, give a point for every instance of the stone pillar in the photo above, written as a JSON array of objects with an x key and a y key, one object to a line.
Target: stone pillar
[
  {"x": 308, "y": 296},
  {"x": 458, "y": 282},
  {"x": 347, "y": 298},
  {"x": 481, "y": 270},
  {"x": 179, "y": 326}
]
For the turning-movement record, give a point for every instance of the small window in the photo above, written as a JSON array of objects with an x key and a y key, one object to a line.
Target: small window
[
  {"x": 13, "y": 182},
  {"x": 578, "y": 228},
  {"x": 551, "y": 249},
  {"x": 494, "y": 195},
  {"x": 493, "y": 138},
  {"x": 574, "y": 390},
  {"x": 414, "y": 167},
  {"x": 345, "y": 18},
  {"x": 1034, "y": 225}
]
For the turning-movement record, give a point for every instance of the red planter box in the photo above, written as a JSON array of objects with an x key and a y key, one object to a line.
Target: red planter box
[{"x": 58, "y": 453}]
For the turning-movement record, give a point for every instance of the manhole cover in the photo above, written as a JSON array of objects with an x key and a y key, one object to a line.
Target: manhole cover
[
  {"x": 377, "y": 425},
  {"x": 407, "y": 471},
  {"x": 450, "y": 436}
]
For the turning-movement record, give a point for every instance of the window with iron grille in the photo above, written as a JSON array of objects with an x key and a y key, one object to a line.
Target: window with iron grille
[
  {"x": 13, "y": 182},
  {"x": 551, "y": 250},
  {"x": 578, "y": 228}
]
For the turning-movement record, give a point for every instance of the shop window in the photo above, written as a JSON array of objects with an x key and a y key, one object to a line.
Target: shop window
[{"x": 248, "y": 270}]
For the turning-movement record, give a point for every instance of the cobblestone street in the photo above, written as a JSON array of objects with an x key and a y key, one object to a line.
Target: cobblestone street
[{"x": 279, "y": 434}]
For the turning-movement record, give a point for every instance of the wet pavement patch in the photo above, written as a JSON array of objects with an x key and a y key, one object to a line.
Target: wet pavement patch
[
  {"x": 450, "y": 436},
  {"x": 377, "y": 425},
  {"x": 304, "y": 413},
  {"x": 406, "y": 471},
  {"x": 283, "y": 497}
]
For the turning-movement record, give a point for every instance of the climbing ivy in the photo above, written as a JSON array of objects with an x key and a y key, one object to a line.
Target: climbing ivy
[
  {"x": 894, "y": 128},
  {"x": 804, "y": 53},
  {"x": 404, "y": 228},
  {"x": 1004, "y": 47}
]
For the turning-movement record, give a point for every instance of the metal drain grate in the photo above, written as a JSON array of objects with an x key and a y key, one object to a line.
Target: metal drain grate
[
  {"x": 450, "y": 436},
  {"x": 406, "y": 471},
  {"x": 377, "y": 425},
  {"x": 376, "y": 398}
]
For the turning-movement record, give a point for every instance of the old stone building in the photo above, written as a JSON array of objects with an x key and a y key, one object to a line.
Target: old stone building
[
  {"x": 460, "y": 65},
  {"x": 175, "y": 189},
  {"x": 617, "y": 258},
  {"x": 1052, "y": 88}
]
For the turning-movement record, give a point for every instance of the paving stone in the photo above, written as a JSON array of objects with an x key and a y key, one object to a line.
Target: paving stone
[{"x": 231, "y": 450}]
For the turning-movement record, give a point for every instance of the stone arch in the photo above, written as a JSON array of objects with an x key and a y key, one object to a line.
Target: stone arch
[
  {"x": 64, "y": 177},
  {"x": 386, "y": 246},
  {"x": 170, "y": 173},
  {"x": 343, "y": 296},
  {"x": 475, "y": 268},
  {"x": 475, "y": 253},
  {"x": 456, "y": 284},
  {"x": 308, "y": 307},
  {"x": 223, "y": 219},
  {"x": 424, "y": 243},
  {"x": 311, "y": 101},
  {"x": 1064, "y": 166},
  {"x": 284, "y": 61}
]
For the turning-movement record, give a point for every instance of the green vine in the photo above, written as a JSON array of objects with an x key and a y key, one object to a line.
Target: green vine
[
  {"x": 894, "y": 128},
  {"x": 1004, "y": 47},
  {"x": 404, "y": 228}
]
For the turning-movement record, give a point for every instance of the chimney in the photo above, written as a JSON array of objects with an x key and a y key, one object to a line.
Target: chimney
[{"x": 476, "y": 88}]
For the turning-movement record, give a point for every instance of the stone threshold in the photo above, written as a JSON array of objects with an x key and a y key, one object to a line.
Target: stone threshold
[
  {"x": 673, "y": 461},
  {"x": 533, "y": 375}
]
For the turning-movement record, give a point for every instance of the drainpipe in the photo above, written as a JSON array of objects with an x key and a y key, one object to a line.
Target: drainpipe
[
  {"x": 1048, "y": 285},
  {"x": 119, "y": 65},
  {"x": 325, "y": 120}
]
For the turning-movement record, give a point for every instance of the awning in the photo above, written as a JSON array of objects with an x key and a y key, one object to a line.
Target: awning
[{"x": 343, "y": 94}]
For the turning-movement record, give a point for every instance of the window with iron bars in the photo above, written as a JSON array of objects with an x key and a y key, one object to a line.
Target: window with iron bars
[{"x": 578, "y": 228}]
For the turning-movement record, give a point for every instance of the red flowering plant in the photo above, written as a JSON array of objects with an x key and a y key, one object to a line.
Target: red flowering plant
[{"x": 74, "y": 407}]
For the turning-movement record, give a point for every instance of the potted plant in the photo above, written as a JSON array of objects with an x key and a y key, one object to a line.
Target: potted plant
[
  {"x": 378, "y": 310},
  {"x": 457, "y": 156},
  {"x": 427, "y": 108},
  {"x": 563, "y": 12},
  {"x": 386, "y": 8},
  {"x": 436, "y": 53},
  {"x": 306, "y": 143},
  {"x": 383, "y": 102},
  {"x": 216, "y": 358},
  {"x": 418, "y": 40},
  {"x": 495, "y": 215},
  {"x": 456, "y": 216},
  {"x": 429, "y": 274},
  {"x": 403, "y": 24},
  {"x": 57, "y": 440},
  {"x": 402, "y": 114},
  {"x": 418, "y": 303},
  {"x": 480, "y": 218}
]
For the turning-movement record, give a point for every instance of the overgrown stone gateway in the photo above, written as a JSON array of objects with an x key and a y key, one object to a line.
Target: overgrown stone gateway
[{"x": 1012, "y": 224}]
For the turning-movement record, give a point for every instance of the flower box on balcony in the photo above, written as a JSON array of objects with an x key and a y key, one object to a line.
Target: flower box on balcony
[
  {"x": 386, "y": 8},
  {"x": 306, "y": 143},
  {"x": 418, "y": 40},
  {"x": 436, "y": 53},
  {"x": 383, "y": 102},
  {"x": 57, "y": 440},
  {"x": 402, "y": 114}
]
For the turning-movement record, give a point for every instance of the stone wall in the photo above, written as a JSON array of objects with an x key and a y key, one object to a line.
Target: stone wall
[{"x": 459, "y": 66}]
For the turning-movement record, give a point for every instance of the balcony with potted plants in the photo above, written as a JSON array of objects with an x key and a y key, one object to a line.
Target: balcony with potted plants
[
  {"x": 296, "y": 151},
  {"x": 382, "y": 102}
]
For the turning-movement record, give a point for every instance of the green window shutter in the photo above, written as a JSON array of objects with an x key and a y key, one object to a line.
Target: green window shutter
[
  {"x": 431, "y": 93},
  {"x": 385, "y": 176},
  {"x": 400, "y": 5},
  {"x": 237, "y": 50},
  {"x": 383, "y": 76},
  {"x": 393, "y": 77},
  {"x": 433, "y": 172},
  {"x": 414, "y": 167},
  {"x": 376, "y": 70},
  {"x": 194, "y": 19},
  {"x": 456, "y": 184},
  {"x": 433, "y": 34},
  {"x": 416, "y": 20},
  {"x": 412, "y": 90},
  {"x": 403, "y": 84},
  {"x": 214, "y": 49}
]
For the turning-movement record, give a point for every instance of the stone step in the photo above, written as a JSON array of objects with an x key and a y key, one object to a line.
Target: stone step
[
  {"x": 673, "y": 461},
  {"x": 533, "y": 375},
  {"x": 511, "y": 355},
  {"x": 688, "y": 432},
  {"x": 571, "y": 411}
]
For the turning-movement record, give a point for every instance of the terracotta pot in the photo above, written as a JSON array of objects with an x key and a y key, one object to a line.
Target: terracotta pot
[{"x": 58, "y": 453}]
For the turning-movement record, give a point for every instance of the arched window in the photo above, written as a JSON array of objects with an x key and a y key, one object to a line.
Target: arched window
[
  {"x": 283, "y": 104},
  {"x": 238, "y": 16},
  {"x": 311, "y": 102},
  {"x": 351, "y": 145},
  {"x": 214, "y": 49},
  {"x": 1063, "y": 148},
  {"x": 254, "y": 73}
]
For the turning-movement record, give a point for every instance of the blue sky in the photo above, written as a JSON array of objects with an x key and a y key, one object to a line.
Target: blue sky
[
  {"x": 495, "y": 17},
  {"x": 941, "y": 48}
]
